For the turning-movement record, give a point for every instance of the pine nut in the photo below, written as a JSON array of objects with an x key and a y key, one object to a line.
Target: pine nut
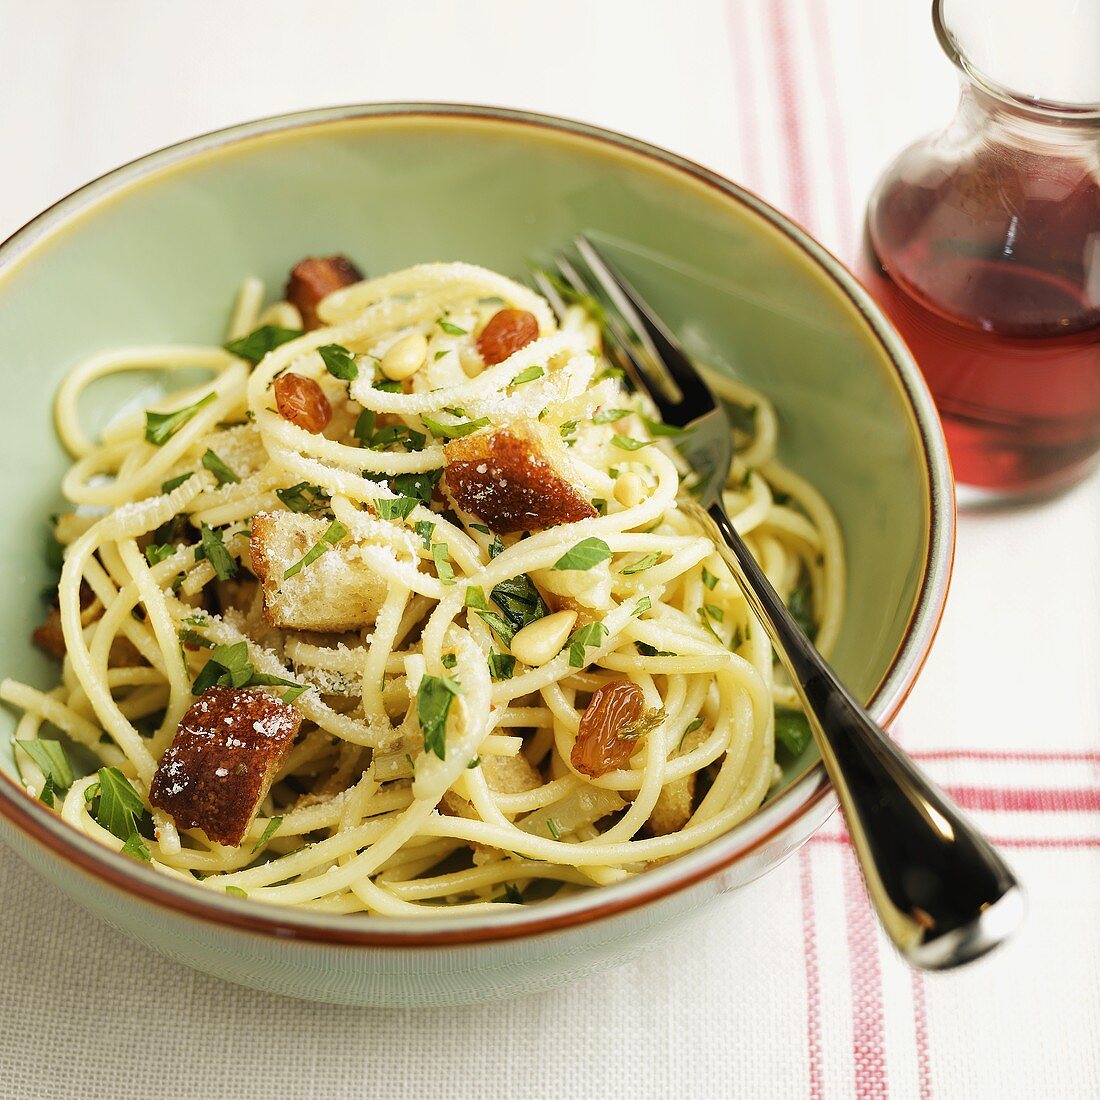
[
  {"x": 542, "y": 640},
  {"x": 472, "y": 363},
  {"x": 405, "y": 357},
  {"x": 629, "y": 489}
]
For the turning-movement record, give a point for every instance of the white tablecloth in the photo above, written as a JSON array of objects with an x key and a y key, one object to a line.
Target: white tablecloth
[{"x": 786, "y": 990}]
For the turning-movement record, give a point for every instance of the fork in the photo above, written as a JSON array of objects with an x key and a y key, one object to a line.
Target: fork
[{"x": 941, "y": 891}]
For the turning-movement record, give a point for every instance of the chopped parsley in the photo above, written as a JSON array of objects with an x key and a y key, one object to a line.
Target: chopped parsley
[
  {"x": 395, "y": 508},
  {"x": 424, "y": 528},
  {"x": 433, "y": 704},
  {"x": 800, "y": 605},
  {"x": 339, "y": 362},
  {"x": 157, "y": 552},
  {"x": 304, "y": 497},
  {"x": 792, "y": 731},
  {"x": 591, "y": 634},
  {"x": 587, "y": 553},
  {"x": 258, "y": 343},
  {"x": 214, "y": 551},
  {"x": 160, "y": 427},
  {"x": 453, "y": 431},
  {"x": 441, "y": 555},
  {"x": 475, "y": 598},
  {"x": 336, "y": 531},
  {"x": 451, "y": 329},
  {"x": 270, "y": 830},
  {"x": 520, "y": 601},
  {"x": 418, "y": 486},
  {"x": 223, "y": 474},
  {"x": 609, "y": 416},
  {"x": 501, "y": 666},
  {"x": 641, "y": 564},
  {"x": 173, "y": 483},
  {"x": 659, "y": 427},
  {"x": 229, "y": 666},
  {"x": 528, "y": 375},
  {"x": 449, "y": 660},
  {"x": 709, "y": 579},
  {"x": 51, "y": 759},
  {"x": 625, "y": 443}
]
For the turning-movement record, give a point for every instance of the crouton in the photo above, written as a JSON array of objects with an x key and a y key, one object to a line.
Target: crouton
[
  {"x": 336, "y": 592},
  {"x": 673, "y": 808},
  {"x": 222, "y": 761},
  {"x": 49, "y": 637},
  {"x": 313, "y": 279},
  {"x": 510, "y": 774},
  {"x": 514, "y": 478}
]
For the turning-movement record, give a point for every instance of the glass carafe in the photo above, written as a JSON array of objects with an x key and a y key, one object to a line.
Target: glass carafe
[{"x": 983, "y": 244}]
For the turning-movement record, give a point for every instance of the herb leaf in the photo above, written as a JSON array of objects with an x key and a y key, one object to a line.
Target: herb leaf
[
  {"x": 501, "y": 666},
  {"x": 441, "y": 555},
  {"x": 800, "y": 605},
  {"x": 173, "y": 483},
  {"x": 453, "y": 431},
  {"x": 424, "y": 528},
  {"x": 475, "y": 598},
  {"x": 304, "y": 497},
  {"x": 520, "y": 601},
  {"x": 160, "y": 427},
  {"x": 659, "y": 427},
  {"x": 709, "y": 579},
  {"x": 418, "y": 486},
  {"x": 157, "y": 552},
  {"x": 451, "y": 329},
  {"x": 641, "y": 564},
  {"x": 396, "y": 508},
  {"x": 499, "y": 626},
  {"x": 792, "y": 731},
  {"x": 336, "y": 531},
  {"x": 219, "y": 469},
  {"x": 215, "y": 552},
  {"x": 270, "y": 829},
  {"x": 589, "y": 635},
  {"x": 625, "y": 443},
  {"x": 587, "y": 553},
  {"x": 259, "y": 342},
  {"x": 339, "y": 362},
  {"x": 120, "y": 806},
  {"x": 433, "y": 704},
  {"x": 50, "y": 757},
  {"x": 528, "y": 375},
  {"x": 609, "y": 416}
]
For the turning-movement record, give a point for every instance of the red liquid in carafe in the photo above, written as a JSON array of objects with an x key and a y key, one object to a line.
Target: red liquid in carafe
[{"x": 993, "y": 279}]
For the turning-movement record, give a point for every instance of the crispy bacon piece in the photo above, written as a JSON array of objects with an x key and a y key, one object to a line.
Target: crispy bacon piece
[
  {"x": 512, "y": 479},
  {"x": 507, "y": 331},
  {"x": 606, "y": 738},
  {"x": 302, "y": 401},
  {"x": 315, "y": 278},
  {"x": 222, "y": 761}
]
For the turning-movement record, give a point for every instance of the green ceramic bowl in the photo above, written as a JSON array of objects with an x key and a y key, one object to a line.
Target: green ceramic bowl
[{"x": 154, "y": 252}]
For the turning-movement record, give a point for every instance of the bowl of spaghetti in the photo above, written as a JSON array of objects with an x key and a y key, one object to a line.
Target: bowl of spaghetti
[{"x": 376, "y": 662}]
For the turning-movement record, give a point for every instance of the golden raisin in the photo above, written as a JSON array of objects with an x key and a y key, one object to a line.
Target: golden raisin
[
  {"x": 301, "y": 401},
  {"x": 600, "y": 746},
  {"x": 507, "y": 332}
]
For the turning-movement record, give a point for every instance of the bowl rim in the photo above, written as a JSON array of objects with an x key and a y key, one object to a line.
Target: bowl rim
[{"x": 810, "y": 791}]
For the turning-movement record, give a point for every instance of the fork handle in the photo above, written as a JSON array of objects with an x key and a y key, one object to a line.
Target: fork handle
[{"x": 941, "y": 890}]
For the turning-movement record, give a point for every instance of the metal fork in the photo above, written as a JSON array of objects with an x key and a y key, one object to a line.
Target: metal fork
[{"x": 941, "y": 891}]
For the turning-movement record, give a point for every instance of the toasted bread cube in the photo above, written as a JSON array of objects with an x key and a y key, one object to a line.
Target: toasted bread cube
[
  {"x": 222, "y": 761},
  {"x": 336, "y": 592},
  {"x": 315, "y": 278},
  {"x": 514, "y": 478},
  {"x": 510, "y": 774},
  {"x": 49, "y": 637}
]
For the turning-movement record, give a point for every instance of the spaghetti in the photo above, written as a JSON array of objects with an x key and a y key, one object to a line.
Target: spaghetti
[{"x": 293, "y": 526}]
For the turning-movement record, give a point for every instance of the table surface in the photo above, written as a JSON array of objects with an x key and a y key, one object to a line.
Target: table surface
[{"x": 805, "y": 102}]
